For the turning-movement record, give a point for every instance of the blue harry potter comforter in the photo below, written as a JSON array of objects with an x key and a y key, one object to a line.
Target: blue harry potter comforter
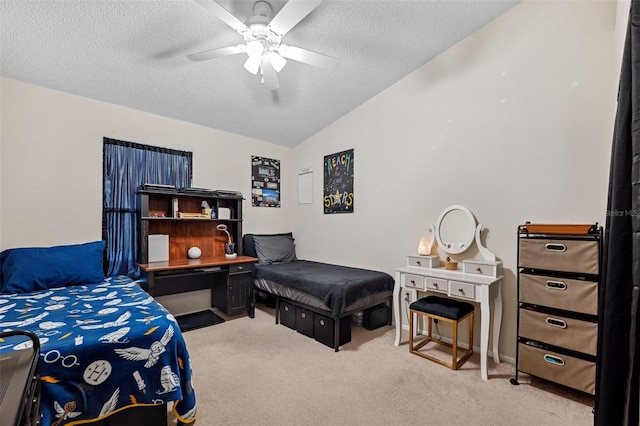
[{"x": 103, "y": 347}]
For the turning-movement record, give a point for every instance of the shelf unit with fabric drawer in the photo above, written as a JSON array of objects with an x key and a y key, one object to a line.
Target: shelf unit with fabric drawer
[{"x": 558, "y": 279}]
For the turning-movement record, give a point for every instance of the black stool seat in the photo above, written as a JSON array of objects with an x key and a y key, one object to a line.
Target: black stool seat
[{"x": 442, "y": 307}]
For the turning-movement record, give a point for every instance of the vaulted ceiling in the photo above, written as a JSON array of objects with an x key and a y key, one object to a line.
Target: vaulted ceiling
[{"x": 133, "y": 53}]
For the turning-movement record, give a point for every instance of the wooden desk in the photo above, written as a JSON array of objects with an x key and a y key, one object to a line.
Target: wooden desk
[
  {"x": 482, "y": 289},
  {"x": 230, "y": 280}
]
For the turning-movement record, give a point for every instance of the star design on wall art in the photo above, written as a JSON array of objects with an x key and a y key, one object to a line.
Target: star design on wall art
[{"x": 336, "y": 197}]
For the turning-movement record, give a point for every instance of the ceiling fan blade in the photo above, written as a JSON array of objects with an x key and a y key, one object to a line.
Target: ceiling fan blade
[
  {"x": 216, "y": 53},
  {"x": 292, "y": 13},
  {"x": 309, "y": 57},
  {"x": 269, "y": 74},
  {"x": 223, "y": 14}
]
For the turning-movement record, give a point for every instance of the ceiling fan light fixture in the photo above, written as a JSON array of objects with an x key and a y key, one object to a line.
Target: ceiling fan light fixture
[
  {"x": 255, "y": 48},
  {"x": 252, "y": 64}
]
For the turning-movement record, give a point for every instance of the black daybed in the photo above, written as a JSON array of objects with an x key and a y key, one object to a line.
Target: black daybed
[{"x": 315, "y": 298}]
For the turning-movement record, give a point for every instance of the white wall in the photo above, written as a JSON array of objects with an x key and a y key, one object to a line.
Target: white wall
[
  {"x": 51, "y": 164},
  {"x": 514, "y": 122}
]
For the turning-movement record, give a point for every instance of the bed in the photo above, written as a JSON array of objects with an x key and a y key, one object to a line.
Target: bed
[
  {"x": 106, "y": 346},
  {"x": 329, "y": 290}
]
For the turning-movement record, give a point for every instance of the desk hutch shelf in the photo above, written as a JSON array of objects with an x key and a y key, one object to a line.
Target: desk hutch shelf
[{"x": 159, "y": 215}]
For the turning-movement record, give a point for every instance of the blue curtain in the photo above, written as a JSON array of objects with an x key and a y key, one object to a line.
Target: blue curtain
[{"x": 126, "y": 166}]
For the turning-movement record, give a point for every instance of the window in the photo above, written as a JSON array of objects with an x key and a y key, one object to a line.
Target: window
[{"x": 126, "y": 166}]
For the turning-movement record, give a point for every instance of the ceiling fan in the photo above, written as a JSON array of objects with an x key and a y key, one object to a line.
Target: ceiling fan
[{"x": 263, "y": 34}]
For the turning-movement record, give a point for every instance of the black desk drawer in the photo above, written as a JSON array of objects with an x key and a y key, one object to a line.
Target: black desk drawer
[
  {"x": 239, "y": 268},
  {"x": 164, "y": 284}
]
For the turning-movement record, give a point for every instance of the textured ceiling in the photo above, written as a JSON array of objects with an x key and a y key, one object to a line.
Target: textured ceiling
[{"x": 132, "y": 53}]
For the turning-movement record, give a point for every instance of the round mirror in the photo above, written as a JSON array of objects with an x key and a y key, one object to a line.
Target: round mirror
[{"x": 455, "y": 229}]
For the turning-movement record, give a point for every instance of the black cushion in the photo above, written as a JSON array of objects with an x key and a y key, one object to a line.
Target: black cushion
[
  {"x": 274, "y": 248},
  {"x": 442, "y": 307}
]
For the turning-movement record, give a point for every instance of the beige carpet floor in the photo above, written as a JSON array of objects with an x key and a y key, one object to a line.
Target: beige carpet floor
[{"x": 254, "y": 372}]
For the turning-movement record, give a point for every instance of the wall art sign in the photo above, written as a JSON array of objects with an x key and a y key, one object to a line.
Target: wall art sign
[
  {"x": 338, "y": 182},
  {"x": 265, "y": 182}
]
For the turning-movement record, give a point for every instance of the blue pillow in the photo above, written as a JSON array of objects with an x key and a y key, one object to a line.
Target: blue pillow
[{"x": 40, "y": 268}]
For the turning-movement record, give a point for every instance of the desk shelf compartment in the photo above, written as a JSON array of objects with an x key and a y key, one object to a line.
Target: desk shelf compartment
[{"x": 163, "y": 284}]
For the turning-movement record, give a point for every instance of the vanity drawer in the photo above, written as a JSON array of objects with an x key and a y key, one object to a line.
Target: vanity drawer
[
  {"x": 435, "y": 284},
  {"x": 460, "y": 289},
  {"x": 566, "y": 370},
  {"x": 423, "y": 261},
  {"x": 569, "y": 333},
  {"x": 414, "y": 281},
  {"x": 579, "y": 256},
  {"x": 479, "y": 267},
  {"x": 561, "y": 293}
]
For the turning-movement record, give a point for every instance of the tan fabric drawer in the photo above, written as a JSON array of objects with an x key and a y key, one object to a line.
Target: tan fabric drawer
[
  {"x": 569, "y": 371},
  {"x": 561, "y": 293},
  {"x": 579, "y": 256},
  {"x": 569, "y": 333}
]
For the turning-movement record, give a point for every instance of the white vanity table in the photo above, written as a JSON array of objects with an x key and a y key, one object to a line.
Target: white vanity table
[{"x": 477, "y": 281}]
